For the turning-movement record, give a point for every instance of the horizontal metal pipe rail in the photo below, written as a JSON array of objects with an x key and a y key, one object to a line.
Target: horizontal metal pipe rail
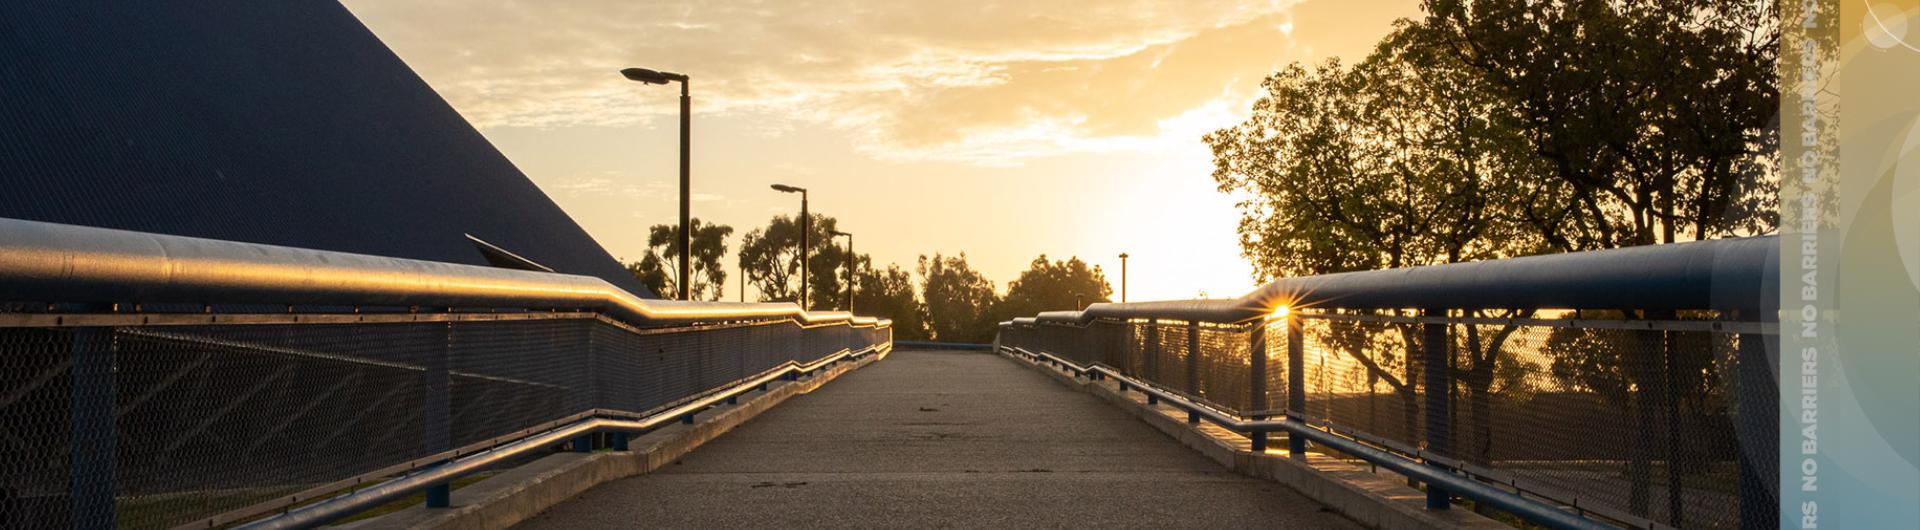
[
  {"x": 49, "y": 262},
  {"x": 1533, "y": 511},
  {"x": 1725, "y": 274},
  {"x": 318, "y": 514}
]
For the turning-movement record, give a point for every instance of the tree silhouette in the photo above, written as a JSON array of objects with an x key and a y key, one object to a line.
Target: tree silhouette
[
  {"x": 656, "y": 270},
  {"x": 770, "y": 258},
  {"x": 889, "y": 293},
  {"x": 959, "y": 300},
  {"x": 1053, "y": 286}
]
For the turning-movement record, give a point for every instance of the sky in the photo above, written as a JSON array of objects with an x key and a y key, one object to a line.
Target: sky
[{"x": 1002, "y": 129}]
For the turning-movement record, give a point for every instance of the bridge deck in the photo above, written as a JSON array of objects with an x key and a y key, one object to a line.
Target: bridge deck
[{"x": 926, "y": 439}]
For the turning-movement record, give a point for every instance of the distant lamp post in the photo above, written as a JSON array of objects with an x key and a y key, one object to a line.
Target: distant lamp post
[
  {"x": 852, "y": 262},
  {"x": 652, "y": 77},
  {"x": 806, "y": 230},
  {"x": 1078, "y": 304},
  {"x": 1123, "y": 277}
]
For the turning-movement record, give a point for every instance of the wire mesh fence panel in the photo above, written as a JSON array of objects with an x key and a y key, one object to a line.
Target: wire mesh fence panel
[
  {"x": 1364, "y": 376},
  {"x": 1638, "y": 420},
  {"x": 1224, "y": 360},
  {"x": 158, "y": 426}
]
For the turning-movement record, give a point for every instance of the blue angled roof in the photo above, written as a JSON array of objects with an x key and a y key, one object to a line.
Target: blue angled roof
[{"x": 285, "y": 123}]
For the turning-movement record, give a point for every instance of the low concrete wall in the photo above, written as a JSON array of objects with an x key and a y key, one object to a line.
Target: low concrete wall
[
  {"x": 1381, "y": 500},
  {"x": 522, "y": 492}
]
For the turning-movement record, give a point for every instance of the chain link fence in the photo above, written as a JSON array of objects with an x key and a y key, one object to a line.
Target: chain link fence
[
  {"x": 137, "y": 425},
  {"x": 1627, "y": 415}
]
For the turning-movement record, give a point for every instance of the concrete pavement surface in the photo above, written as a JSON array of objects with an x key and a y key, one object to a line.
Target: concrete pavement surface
[{"x": 941, "y": 439}]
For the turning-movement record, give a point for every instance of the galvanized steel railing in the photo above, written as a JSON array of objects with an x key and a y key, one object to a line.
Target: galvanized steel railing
[
  {"x": 151, "y": 381},
  {"x": 1632, "y": 385}
]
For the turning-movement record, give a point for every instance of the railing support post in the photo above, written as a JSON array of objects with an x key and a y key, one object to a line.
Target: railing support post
[
  {"x": 1433, "y": 345},
  {"x": 618, "y": 439},
  {"x": 1296, "y": 383},
  {"x": 1257, "y": 387},
  {"x": 94, "y": 450}
]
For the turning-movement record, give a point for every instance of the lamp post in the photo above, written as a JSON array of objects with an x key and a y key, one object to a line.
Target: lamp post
[
  {"x": 806, "y": 230},
  {"x": 653, "y": 77},
  {"x": 852, "y": 262},
  {"x": 1123, "y": 277}
]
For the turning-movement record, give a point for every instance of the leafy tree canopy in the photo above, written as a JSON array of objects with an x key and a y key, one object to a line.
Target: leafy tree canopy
[
  {"x": 1052, "y": 286},
  {"x": 659, "y": 269}
]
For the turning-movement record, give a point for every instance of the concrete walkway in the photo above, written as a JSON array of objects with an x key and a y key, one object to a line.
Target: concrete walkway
[{"x": 941, "y": 439}]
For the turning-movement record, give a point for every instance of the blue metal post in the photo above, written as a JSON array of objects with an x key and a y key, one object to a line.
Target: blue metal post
[
  {"x": 437, "y": 424},
  {"x": 619, "y": 440},
  {"x": 1433, "y": 345},
  {"x": 1296, "y": 382},
  {"x": 583, "y": 443},
  {"x": 94, "y": 457},
  {"x": 1257, "y": 386},
  {"x": 687, "y": 419}
]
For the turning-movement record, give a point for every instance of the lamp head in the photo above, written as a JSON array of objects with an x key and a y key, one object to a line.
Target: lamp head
[
  {"x": 652, "y": 77},
  {"x": 783, "y": 188}
]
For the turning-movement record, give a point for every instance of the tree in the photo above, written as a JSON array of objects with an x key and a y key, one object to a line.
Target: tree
[
  {"x": 656, "y": 270},
  {"x": 889, "y": 293},
  {"x": 770, "y": 257},
  {"x": 1052, "y": 286},
  {"x": 1653, "y": 113},
  {"x": 959, "y": 299}
]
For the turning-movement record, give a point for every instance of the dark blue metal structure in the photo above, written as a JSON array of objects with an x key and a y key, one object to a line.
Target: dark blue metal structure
[{"x": 284, "y": 123}]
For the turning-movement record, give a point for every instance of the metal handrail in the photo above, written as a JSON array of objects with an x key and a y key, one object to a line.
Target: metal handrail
[
  {"x": 1533, "y": 511},
  {"x": 345, "y": 505},
  {"x": 1721, "y": 274},
  {"x": 67, "y": 263}
]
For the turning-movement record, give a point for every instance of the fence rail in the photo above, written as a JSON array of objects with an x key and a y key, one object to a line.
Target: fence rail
[
  {"x": 1631, "y": 385},
  {"x": 151, "y": 381}
]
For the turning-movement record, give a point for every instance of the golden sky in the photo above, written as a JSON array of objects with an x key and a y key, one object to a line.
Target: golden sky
[{"x": 1005, "y": 129}]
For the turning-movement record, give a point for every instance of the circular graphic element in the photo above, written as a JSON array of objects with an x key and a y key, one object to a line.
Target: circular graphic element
[
  {"x": 1885, "y": 26},
  {"x": 1905, "y": 198}
]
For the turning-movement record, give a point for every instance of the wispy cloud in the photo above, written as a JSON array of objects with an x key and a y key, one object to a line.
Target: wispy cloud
[{"x": 975, "y": 81}]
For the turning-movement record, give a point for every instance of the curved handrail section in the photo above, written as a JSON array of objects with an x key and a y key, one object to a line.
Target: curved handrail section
[
  {"x": 66, "y": 263},
  {"x": 1717, "y": 274}
]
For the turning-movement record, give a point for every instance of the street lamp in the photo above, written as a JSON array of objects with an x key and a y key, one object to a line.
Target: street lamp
[
  {"x": 851, "y": 264},
  {"x": 806, "y": 230},
  {"x": 652, "y": 77},
  {"x": 1123, "y": 277}
]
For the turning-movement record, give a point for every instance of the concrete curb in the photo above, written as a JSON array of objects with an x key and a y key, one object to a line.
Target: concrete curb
[
  {"x": 1382, "y": 501},
  {"x": 520, "y": 493}
]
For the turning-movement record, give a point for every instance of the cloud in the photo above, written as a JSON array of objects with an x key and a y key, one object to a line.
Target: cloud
[{"x": 975, "y": 81}]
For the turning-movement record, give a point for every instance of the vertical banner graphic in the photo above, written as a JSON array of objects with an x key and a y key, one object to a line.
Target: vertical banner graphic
[{"x": 1850, "y": 264}]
